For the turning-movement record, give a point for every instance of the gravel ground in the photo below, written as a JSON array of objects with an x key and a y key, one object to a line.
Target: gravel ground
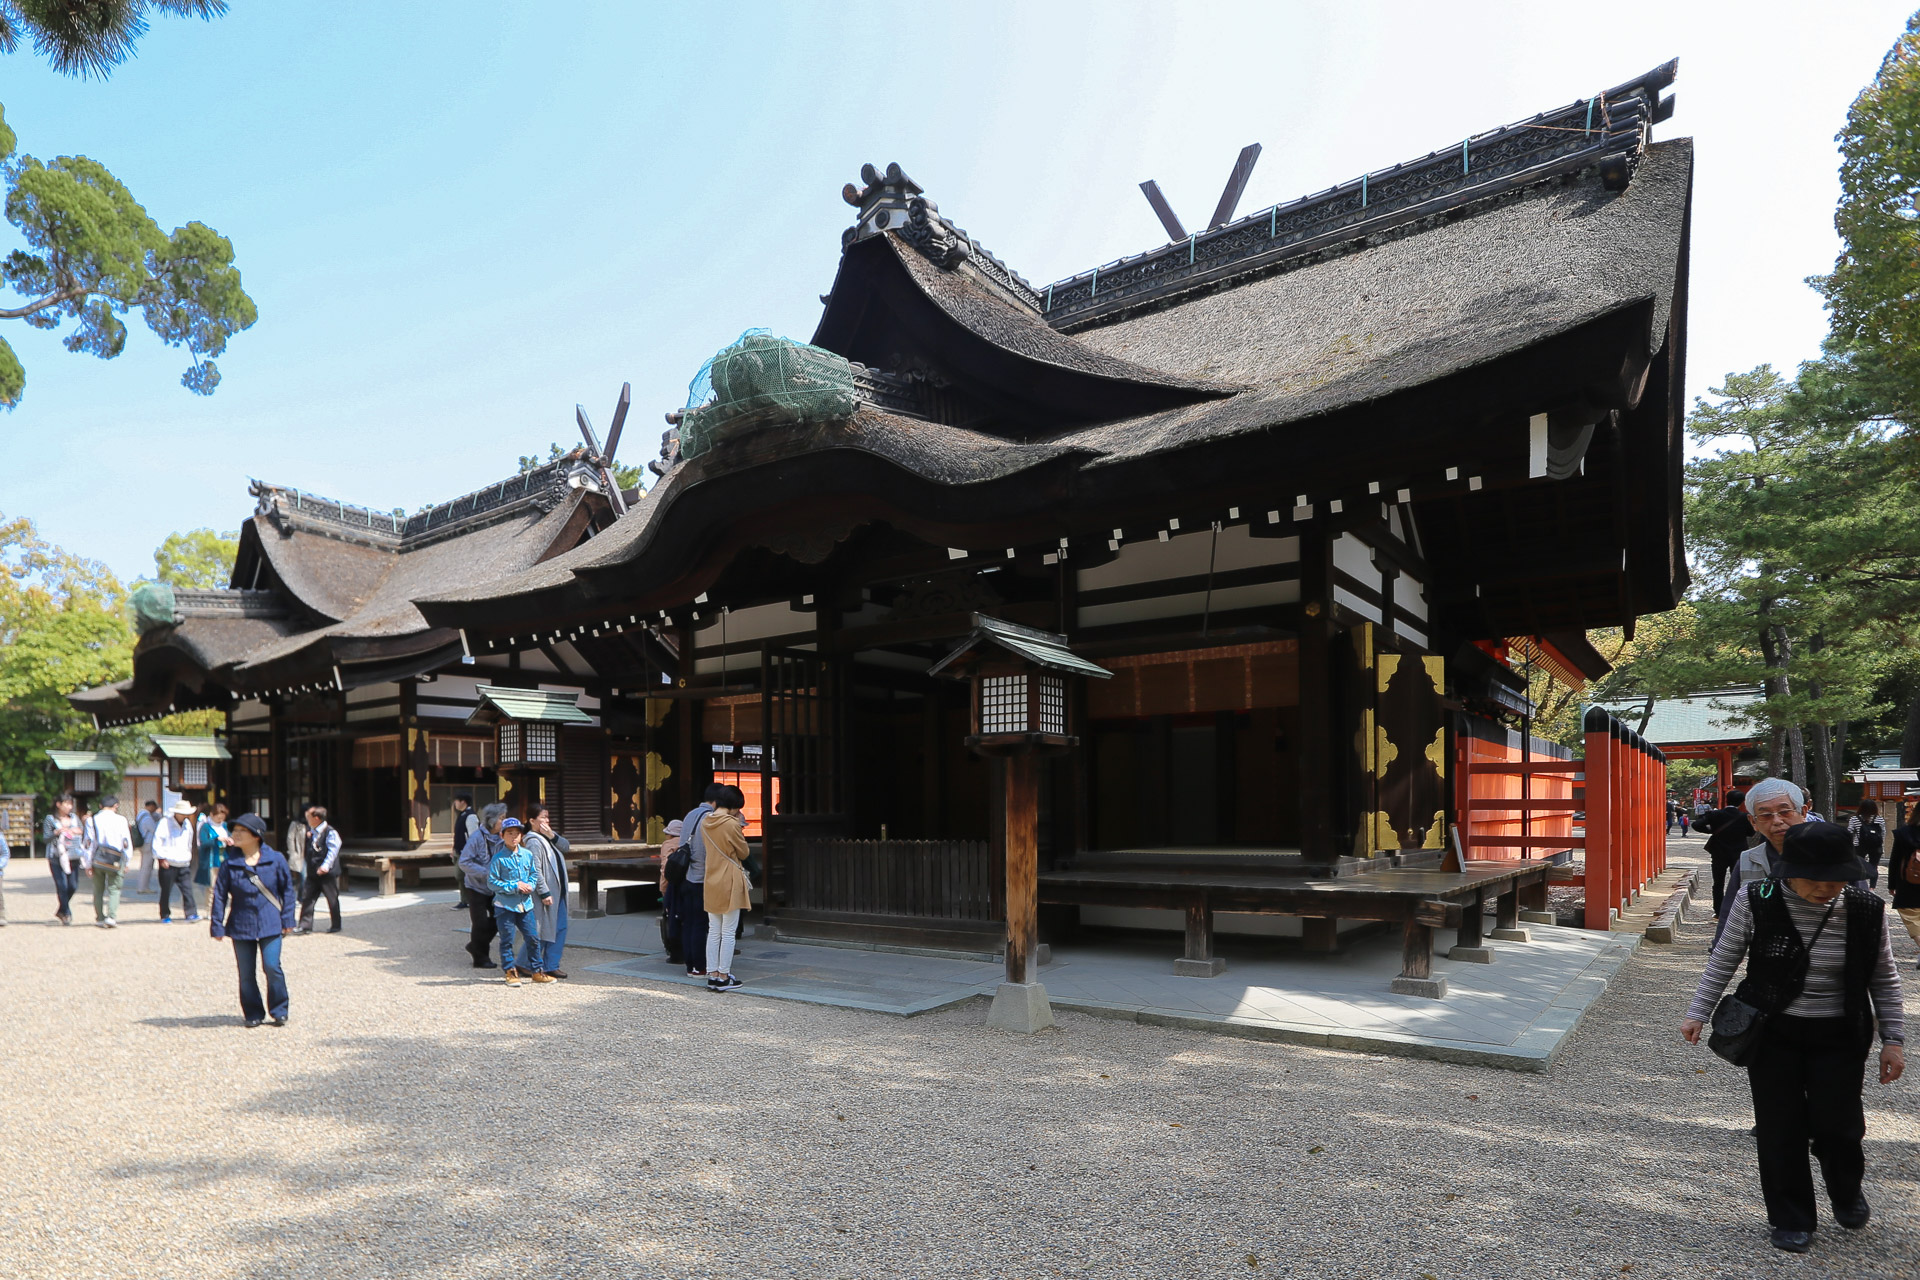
[{"x": 413, "y": 1121}]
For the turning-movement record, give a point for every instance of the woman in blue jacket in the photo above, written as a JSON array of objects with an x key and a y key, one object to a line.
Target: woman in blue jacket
[{"x": 253, "y": 905}]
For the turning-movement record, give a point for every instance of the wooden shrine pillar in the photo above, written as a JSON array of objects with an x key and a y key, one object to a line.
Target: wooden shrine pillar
[
  {"x": 1317, "y": 749},
  {"x": 418, "y": 763},
  {"x": 1023, "y": 867}
]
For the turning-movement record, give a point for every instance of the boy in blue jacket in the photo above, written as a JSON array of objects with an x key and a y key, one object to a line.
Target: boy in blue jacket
[{"x": 515, "y": 880}]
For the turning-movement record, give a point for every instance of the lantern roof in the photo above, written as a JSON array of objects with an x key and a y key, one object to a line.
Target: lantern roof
[
  {"x": 540, "y": 705},
  {"x": 185, "y": 748},
  {"x": 71, "y": 761},
  {"x": 1041, "y": 648}
]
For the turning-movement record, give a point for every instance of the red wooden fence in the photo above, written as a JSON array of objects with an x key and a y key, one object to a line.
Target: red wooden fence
[{"x": 1620, "y": 786}]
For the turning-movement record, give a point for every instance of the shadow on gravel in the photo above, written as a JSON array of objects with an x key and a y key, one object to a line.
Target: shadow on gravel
[
  {"x": 199, "y": 1022},
  {"x": 601, "y": 1129}
]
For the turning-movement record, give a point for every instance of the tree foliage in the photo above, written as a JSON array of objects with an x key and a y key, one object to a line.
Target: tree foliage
[
  {"x": 93, "y": 254},
  {"x": 199, "y": 558},
  {"x": 1803, "y": 530},
  {"x": 89, "y": 37},
  {"x": 1873, "y": 294},
  {"x": 63, "y": 626}
]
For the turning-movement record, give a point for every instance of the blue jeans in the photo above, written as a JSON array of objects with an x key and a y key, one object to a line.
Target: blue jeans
[
  {"x": 508, "y": 921},
  {"x": 263, "y": 953},
  {"x": 550, "y": 951},
  {"x": 63, "y": 884}
]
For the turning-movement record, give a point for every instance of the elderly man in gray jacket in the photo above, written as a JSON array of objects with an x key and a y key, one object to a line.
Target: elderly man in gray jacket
[{"x": 1774, "y": 806}]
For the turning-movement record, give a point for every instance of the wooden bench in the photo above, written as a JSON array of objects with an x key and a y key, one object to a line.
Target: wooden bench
[
  {"x": 605, "y": 864},
  {"x": 1420, "y": 900},
  {"x": 397, "y": 869}
]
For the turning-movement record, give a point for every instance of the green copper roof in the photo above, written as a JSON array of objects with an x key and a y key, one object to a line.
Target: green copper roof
[
  {"x": 1704, "y": 718},
  {"x": 71, "y": 760},
  {"x": 176, "y": 748},
  {"x": 532, "y": 704},
  {"x": 1042, "y": 648}
]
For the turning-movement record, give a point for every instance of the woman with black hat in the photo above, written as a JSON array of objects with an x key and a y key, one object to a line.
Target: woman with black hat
[
  {"x": 1818, "y": 954},
  {"x": 253, "y": 905}
]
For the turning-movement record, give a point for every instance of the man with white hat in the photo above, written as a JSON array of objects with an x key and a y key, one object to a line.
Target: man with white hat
[{"x": 172, "y": 842}]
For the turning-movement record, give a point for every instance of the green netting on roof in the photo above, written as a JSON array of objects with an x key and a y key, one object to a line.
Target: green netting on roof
[
  {"x": 151, "y": 605},
  {"x": 760, "y": 380}
]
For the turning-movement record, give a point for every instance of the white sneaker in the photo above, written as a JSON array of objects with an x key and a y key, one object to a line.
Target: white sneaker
[{"x": 112, "y": 923}]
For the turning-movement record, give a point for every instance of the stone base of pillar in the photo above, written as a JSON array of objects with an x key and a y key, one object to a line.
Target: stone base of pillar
[
  {"x": 1431, "y": 988},
  {"x": 1472, "y": 955},
  {"x": 1510, "y": 935},
  {"x": 1020, "y": 1006},
  {"x": 1538, "y": 917},
  {"x": 1213, "y": 968}
]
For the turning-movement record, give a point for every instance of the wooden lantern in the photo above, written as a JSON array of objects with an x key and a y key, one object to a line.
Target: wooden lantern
[
  {"x": 1019, "y": 684},
  {"x": 526, "y": 733},
  {"x": 190, "y": 762},
  {"x": 81, "y": 771}
]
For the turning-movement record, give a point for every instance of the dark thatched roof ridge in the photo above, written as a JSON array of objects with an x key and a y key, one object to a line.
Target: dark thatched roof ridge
[
  {"x": 385, "y": 609},
  {"x": 950, "y": 456},
  {"x": 1023, "y": 331},
  {"x": 1422, "y": 303}
]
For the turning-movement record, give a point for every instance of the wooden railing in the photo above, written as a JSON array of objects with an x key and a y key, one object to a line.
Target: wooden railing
[{"x": 927, "y": 879}]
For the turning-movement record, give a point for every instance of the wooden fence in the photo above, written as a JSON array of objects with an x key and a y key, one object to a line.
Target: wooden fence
[
  {"x": 1617, "y": 794},
  {"x": 928, "y": 879}
]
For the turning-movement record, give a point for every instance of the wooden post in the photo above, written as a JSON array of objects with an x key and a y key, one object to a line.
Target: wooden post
[
  {"x": 418, "y": 764},
  {"x": 1319, "y": 933},
  {"x": 1506, "y": 911},
  {"x": 1599, "y": 802},
  {"x": 1316, "y": 749},
  {"x": 1023, "y": 867},
  {"x": 1416, "y": 951},
  {"x": 1472, "y": 920},
  {"x": 1199, "y": 931}
]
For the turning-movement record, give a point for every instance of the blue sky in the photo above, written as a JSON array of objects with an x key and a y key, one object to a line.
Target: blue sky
[{"x": 458, "y": 219}]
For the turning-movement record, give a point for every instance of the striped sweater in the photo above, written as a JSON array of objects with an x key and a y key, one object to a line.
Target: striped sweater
[{"x": 1822, "y": 996}]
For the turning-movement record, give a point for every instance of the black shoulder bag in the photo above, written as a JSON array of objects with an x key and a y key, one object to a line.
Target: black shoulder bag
[
  {"x": 679, "y": 862},
  {"x": 1740, "y": 1019}
]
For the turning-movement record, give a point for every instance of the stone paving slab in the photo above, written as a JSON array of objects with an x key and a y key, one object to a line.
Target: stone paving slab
[{"x": 1514, "y": 1013}]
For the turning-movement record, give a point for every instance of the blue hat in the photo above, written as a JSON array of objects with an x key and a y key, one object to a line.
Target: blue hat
[{"x": 510, "y": 822}]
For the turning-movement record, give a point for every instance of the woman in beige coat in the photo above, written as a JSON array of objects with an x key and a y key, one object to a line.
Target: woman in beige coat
[{"x": 723, "y": 832}]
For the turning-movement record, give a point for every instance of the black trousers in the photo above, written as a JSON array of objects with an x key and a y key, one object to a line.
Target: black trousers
[
  {"x": 180, "y": 874},
  {"x": 1723, "y": 864},
  {"x": 480, "y": 915},
  {"x": 317, "y": 884},
  {"x": 693, "y": 924},
  {"x": 1806, "y": 1081}
]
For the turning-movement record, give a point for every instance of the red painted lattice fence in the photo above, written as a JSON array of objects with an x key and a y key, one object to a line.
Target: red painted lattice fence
[{"x": 1617, "y": 792}]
